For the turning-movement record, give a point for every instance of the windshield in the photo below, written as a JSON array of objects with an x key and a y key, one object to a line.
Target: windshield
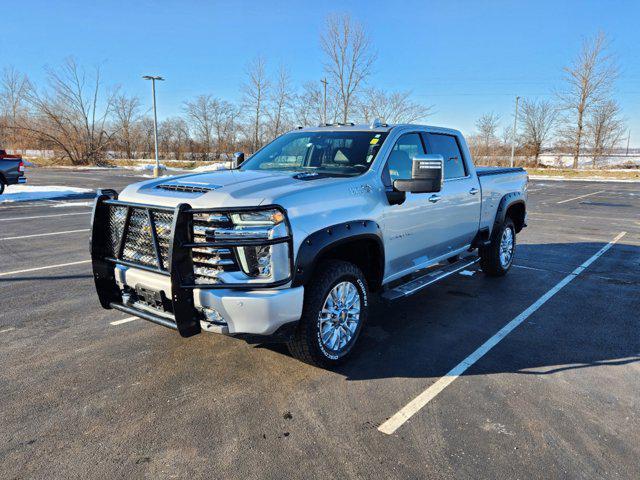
[{"x": 332, "y": 153}]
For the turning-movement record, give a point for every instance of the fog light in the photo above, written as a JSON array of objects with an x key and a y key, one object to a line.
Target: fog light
[{"x": 211, "y": 315}]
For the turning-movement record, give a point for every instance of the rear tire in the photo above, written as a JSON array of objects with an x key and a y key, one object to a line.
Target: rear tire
[
  {"x": 496, "y": 259},
  {"x": 2, "y": 185},
  {"x": 335, "y": 309}
]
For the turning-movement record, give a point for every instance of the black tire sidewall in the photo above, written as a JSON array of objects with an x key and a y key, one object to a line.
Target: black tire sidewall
[
  {"x": 508, "y": 223},
  {"x": 490, "y": 255},
  {"x": 306, "y": 344},
  {"x": 364, "y": 304}
]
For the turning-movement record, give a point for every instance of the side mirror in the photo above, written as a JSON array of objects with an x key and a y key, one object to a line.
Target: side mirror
[
  {"x": 426, "y": 175},
  {"x": 238, "y": 159}
]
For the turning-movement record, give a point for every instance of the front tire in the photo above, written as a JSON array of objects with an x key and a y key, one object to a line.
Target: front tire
[
  {"x": 497, "y": 258},
  {"x": 335, "y": 309}
]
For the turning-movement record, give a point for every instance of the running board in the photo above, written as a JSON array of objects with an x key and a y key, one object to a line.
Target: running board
[{"x": 416, "y": 284}]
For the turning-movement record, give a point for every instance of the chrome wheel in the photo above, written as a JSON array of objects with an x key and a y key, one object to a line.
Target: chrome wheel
[
  {"x": 507, "y": 244},
  {"x": 340, "y": 316}
]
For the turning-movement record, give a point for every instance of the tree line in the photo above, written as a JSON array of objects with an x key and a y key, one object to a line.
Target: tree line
[
  {"x": 583, "y": 119},
  {"x": 83, "y": 121},
  {"x": 80, "y": 120}
]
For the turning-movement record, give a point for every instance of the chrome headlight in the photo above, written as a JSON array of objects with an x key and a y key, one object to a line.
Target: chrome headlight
[
  {"x": 261, "y": 263},
  {"x": 265, "y": 261}
]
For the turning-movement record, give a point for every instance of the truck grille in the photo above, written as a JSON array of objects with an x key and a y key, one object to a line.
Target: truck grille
[
  {"x": 138, "y": 240},
  {"x": 210, "y": 262}
]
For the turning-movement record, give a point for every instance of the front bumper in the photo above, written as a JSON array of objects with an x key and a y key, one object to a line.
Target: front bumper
[
  {"x": 255, "y": 312},
  {"x": 164, "y": 290}
]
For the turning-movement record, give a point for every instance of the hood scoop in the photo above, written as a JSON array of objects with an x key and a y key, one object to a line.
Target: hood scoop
[
  {"x": 309, "y": 176},
  {"x": 187, "y": 187}
]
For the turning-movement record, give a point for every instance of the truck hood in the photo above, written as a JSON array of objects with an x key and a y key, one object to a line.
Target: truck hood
[{"x": 223, "y": 188}]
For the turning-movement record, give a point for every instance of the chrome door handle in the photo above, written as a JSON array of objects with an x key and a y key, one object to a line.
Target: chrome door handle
[
  {"x": 473, "y": 191},
  {"x": 434, "y": 198}
]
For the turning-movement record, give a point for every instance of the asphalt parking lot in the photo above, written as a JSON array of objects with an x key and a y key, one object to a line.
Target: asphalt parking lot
[{"x": 558, "y": 397}]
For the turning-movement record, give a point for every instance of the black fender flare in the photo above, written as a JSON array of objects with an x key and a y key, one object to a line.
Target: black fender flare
[
  {"x": 506, "y": 202},
  {"x": 321, "y": 241}
]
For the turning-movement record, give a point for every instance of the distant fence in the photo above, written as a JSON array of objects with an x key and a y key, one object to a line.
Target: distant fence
[
  {"x": 558, "y": 160},
  {"x": 113, "y": 155},
  {"x": 562, "y": 160}
]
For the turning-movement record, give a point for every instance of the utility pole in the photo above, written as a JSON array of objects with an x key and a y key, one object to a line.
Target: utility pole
[
  {"x": 628, "y": 138},
  {"x": 156, "y": 168},
  {"x": 324, "y": 108},
  {"x": 513, "y": 132}
]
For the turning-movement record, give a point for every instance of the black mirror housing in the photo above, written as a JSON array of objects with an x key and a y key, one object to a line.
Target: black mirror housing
[
  {"x": 238, "y": 158},
  {"x": 426, "y": 175}
]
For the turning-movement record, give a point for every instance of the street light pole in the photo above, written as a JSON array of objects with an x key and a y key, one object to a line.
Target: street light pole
[
  {"x": 156, "y": 168},
  {"x": 513, "y": 133},
  {"x": 324, "y": 116}
]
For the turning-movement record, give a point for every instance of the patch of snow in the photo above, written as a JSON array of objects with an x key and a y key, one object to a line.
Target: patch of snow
[
  {"x": 150, "y": 166},
  {"x": 559, "y": 178},
  {"x": 23, "y": 193},
  {"x": 562, "y": 160},
  {"x": 213, "y": 167},
  {"x": 73, "y": 204}
]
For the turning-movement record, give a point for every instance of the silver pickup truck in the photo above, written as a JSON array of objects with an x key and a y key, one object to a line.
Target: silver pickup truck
[{"x": 292, "y": 243}]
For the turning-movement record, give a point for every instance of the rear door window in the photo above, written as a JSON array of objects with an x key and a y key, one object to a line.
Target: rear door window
[{"x": 447, "y": 146}]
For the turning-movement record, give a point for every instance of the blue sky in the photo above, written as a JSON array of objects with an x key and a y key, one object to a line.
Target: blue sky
[{"x": 465, "y": 58}]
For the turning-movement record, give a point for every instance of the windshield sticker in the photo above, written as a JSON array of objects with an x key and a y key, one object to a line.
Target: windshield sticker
[{"x": 374, "y": 141}]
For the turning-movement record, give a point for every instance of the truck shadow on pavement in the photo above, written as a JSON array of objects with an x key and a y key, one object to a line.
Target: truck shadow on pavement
[{"x": 593, "y": 321}]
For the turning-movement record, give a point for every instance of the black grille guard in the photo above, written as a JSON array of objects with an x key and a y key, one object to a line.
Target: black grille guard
[{"x": 178, "y": 265}]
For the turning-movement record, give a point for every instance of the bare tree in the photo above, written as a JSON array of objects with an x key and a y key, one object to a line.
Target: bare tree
[
  {"x": 145, "y": 128},
  {"x": 487, "y": 126},
  {"x": 392, "y": 107},
  {"x": 308, "y": 105},
  {"x": 173, "y": 137},
  {"x": 604, "y": 129},
  {"x": 255, "y": 94},
  {"x": 200, "y": 118},
  {"x": 349, "y": 59},
  {"x": 224, "y": 125},
  {"x": 70, "y": 115},
  {"x": 281, "y": 104},
  {"x": 126, "y": 115},
  {"x": 14, "y": 87},
  {"x": 213, "y": 121},
  {"x": 589, "y": 80},
  {"x": 538, "y": 121}
]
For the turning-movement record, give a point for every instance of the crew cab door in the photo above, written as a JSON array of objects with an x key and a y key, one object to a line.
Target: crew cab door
[
  {"x": 412, "y": 230},
  {"x": 460, "y": 197}
]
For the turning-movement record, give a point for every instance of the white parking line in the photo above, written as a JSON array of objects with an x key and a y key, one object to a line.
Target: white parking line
[
  {"x": 530, "y": 268},
  {"x": 11, "y": 205},
  {"x": 4, "y": 330},
  {"x": 406, "y": 412},
  {"x": 4, "y": 274},
  {"x": 45, "y": 234},
  {"x": 44, "y": 216},
  {"x": 124, "y": 320},
  {"x": 581, "y": 196}
]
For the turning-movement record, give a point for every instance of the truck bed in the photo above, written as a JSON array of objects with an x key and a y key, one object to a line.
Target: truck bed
[
  {"x": 495, "y": 183},
  {"x": 484, "y": 171}
]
